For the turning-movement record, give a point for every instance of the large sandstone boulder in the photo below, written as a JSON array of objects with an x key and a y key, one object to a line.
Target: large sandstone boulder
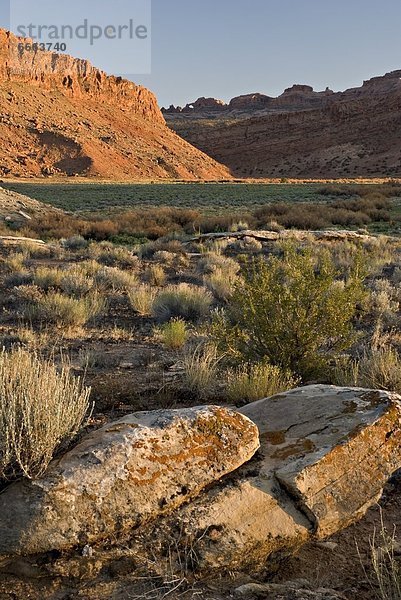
[
  {"x": 123, "y": 475},
  {"x": 326, "y": 453}
]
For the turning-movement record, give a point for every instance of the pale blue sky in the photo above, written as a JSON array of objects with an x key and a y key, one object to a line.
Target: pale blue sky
[{"x": 224, "y": 48}]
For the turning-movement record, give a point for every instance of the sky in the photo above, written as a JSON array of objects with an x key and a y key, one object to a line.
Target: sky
[{"x": 224, "y": 48}]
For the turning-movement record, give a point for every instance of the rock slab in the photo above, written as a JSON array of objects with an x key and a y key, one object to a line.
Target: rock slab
[
  {"x": 123, "y": 475},
  {"x": 326, "y": 453}
]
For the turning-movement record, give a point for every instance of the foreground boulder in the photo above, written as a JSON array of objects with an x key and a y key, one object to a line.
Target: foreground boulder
[
  {"x": 122, "y": 475},
  {"x": 326, "y": 453}
]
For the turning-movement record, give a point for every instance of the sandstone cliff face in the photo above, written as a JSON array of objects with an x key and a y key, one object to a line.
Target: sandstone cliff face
[
  {"x": 304, "y": 133},
  {"x": 76, "y": 78},
  {"x": 62, "y": 116}
]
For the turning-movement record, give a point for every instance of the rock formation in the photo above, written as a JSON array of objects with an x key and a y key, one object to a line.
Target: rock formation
[
  {"x": 62, "y": 116},
  {"x": 325, "y": 455},
  {"x": 123, "y": 475},
  {"x": 302, "y": 133},
  {"x": 154, "y": 480}
]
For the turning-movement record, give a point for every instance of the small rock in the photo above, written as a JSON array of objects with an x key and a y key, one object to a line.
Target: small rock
[{"x": 327, "y": 545}]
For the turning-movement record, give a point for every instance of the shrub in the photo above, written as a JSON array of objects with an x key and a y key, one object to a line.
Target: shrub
[
  {"x": 75, "y": 242},
  {"x": 291, "y": 311},
  {"x": 40, "y": 409},
  {"x": 183, "y": 301},
  {"x": 64, "y": 311},
  {"x": 142, "y": 299},
  {"x": 253, "y": 382},
  {"x": 75, "y": 282},
  {"x": 174, "y": 334}
]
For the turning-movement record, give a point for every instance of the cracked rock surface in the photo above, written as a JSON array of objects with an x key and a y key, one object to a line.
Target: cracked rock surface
[{"x": 326, "y": 453}]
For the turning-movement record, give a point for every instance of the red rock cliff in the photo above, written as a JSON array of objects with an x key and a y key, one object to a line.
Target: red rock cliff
[{"x": 72, "y": 76}]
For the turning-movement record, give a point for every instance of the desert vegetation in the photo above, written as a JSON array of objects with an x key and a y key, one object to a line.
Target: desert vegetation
[
  {"x": 137, "y": 215},
  {"x": 92, "y": 329},
  {"x": 181, "y": 320}
]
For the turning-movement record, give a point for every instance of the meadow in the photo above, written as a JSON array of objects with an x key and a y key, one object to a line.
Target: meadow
[{"x": 207, "y": 197}]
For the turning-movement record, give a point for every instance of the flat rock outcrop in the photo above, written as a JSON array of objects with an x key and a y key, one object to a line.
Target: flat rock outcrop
[
  {"x": 303, "y": 133},
  {"x": 60, "y": 116},
  {"x": 123, "y": 475},
  {"x": 326, "y": 454}
]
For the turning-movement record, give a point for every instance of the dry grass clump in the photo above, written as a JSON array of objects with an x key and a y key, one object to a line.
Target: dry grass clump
[
  {"x": 142, "y": 299},
  {"x": 155, "y": 275},
  {"x": 47, "y": 278},
  {"x": 247, "y": 244},
  {"x": 17, "y": 279},
  {"x": 76, "y": 283},
  {"x": 184, "y": 301},
  {"x": 386, "y": 565},
  {"x": 201, "y": 370},
  {"x": 113, "y": 278},
  {"x": 221, "y": 283},
  {"x": 112, "y": 256},
  {"x": 384, "y": 301},
  {"x": 380, "y": 369},
  {"x": 384, "y": 575},
  {"x": 65, "y": 311},
  {"x": 239, "y": 226},
  {"x": 212, "y": 261},
  {"x": 40, "y": 408},
  {"x": 164, "y": 257},
  {"x": 90, "y": 267},
  {"x": 174, "y": 334},
  {"x": 253, "y": 382},
  {"x": 149, "y": 250},
  {"x": 16, "y": 261}
]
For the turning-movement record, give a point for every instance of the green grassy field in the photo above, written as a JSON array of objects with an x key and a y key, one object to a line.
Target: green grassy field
[{"x": 207, "y": 197}]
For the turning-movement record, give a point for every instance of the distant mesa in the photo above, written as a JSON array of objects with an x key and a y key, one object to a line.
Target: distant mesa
[{"x": 302, "y": 133}]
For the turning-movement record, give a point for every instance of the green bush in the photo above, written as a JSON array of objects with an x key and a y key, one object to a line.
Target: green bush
[
  {"x": 174, "y": 334},
  {"x": 293, "y": 311}
]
